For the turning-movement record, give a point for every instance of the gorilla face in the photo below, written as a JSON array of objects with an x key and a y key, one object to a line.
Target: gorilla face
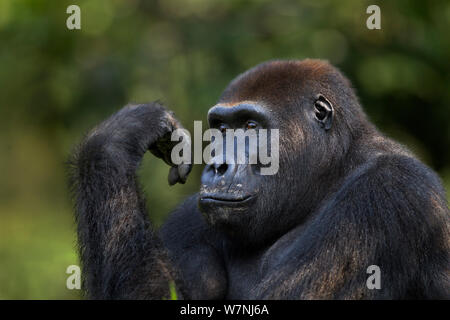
[{"x": 236, "y": 198}]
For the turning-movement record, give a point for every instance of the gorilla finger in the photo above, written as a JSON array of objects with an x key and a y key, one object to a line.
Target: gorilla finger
[
  {"x": 173, "y": 176},
  {"x": 183, "y": 171}
]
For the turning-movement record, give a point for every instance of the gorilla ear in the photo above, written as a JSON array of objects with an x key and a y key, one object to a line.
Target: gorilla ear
[{"x": 323, "y": 111}]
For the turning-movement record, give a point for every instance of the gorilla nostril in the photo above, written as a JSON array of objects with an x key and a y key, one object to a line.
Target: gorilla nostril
[{"x": 221, "y": 169}]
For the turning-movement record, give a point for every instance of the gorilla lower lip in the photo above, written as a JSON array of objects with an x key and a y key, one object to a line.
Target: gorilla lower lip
[{"x": 225, "y": 199}]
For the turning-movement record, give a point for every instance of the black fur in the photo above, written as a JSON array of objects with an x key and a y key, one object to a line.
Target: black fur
[{"x": 344, "y": 198}]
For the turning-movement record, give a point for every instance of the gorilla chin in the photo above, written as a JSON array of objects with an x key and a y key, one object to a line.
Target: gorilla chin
[{"x": 228, "y": 213}]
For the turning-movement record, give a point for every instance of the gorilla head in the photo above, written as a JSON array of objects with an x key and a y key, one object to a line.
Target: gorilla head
[{"x": 317, "y": 115}]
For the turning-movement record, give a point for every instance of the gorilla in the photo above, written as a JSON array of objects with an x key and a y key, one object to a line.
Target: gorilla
[{"x": 345, "y": 198}]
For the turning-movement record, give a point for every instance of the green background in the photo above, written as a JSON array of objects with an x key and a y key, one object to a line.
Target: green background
[{"x": 55, "y": 84}]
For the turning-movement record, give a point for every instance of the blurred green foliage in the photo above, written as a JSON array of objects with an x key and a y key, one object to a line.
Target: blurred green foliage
[{"x": 55, "y": 84}]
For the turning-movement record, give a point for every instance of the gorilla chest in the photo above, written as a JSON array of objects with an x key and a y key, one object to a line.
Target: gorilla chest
[
  {"x": 243, "y": 275},
  {"x": 246, "y": 271}
]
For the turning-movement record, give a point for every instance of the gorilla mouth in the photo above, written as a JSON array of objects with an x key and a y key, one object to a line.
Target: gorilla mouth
[{"x": 225, "y": 198}]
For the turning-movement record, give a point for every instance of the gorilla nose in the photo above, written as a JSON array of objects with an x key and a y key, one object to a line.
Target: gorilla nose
[{"x": 219, "y": 168}]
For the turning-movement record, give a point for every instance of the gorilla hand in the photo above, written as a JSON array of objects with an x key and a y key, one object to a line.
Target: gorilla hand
[
  {"x": 134, "y": 129},
  {"x": 120, "y": 254}
]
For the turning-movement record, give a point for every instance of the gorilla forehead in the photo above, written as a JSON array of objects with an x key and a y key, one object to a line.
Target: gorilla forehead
[{"x": 280, "y": 82}]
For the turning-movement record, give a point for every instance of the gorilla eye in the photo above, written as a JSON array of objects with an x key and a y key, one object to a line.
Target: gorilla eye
[{"x": 251, "y": 125}]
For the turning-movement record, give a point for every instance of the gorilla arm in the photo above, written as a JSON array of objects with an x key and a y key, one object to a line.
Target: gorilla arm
[
  {"x": 196, "y": 252},
  {"x": 120, "y": 255},
  {"x": 390, "y": 214}
]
